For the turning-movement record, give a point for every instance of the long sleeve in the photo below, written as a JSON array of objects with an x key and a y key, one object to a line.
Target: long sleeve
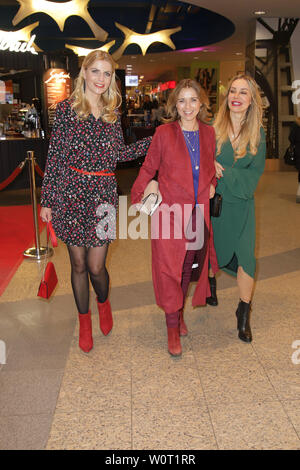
[
  {"x": 148, "y": 169},
  {"x": 242, "y": 182},
  {"x": 131, "y": 151},
  {"x": 54, "y": 157}
]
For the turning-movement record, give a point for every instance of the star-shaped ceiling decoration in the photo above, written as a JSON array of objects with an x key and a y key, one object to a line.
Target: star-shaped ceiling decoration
[
  {"x": 21, "y": 34},
  {"x": 149, "y": 25},
  {"x": 144, "y": 40},
  {"x": 82, "y": 51},
  {"x": 60, "y": 12}
]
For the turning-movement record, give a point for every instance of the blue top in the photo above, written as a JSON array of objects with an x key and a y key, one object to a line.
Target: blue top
[{"x": 192, "y": 142}]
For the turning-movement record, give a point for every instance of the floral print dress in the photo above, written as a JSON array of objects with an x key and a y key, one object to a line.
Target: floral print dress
[{"x": 90, "y": 145}]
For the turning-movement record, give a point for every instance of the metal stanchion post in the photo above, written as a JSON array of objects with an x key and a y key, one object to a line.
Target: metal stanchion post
[{"x": 37, "y": 252}]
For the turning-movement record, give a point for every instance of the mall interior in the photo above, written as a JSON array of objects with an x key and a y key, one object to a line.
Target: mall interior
[{"x": 128, "y": 393}]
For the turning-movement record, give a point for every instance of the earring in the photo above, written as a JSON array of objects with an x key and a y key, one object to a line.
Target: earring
[{"x": 83, "y": 86}]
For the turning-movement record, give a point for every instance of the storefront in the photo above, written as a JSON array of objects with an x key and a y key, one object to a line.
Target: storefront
[{"x": 31, "y": 84}]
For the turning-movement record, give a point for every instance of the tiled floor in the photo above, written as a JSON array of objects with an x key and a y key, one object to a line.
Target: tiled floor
[{"x": 128, "y": 393}]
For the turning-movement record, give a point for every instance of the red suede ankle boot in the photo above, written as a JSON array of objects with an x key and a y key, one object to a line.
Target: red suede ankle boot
[
  {"x": 183, "y": 331},
  {"x": 174, "y": 345},
  {"x": 85, "y": 331},
  {"x": 105, "y": 317}
]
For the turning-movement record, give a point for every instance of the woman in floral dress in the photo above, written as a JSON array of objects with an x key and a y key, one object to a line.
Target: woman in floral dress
[{"x": 80, "y": 187}]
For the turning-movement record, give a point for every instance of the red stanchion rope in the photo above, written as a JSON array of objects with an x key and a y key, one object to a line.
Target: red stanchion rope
[
  {"x": 38, "y": 170},
  {"x": 13, "y": 176}
]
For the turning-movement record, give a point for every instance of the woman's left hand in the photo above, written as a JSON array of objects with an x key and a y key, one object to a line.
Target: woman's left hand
[
  {"x": 219, "y": 170},
  {"x": 212, "y": 191}
]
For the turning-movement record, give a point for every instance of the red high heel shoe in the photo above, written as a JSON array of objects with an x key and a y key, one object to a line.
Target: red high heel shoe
[
  {"x": 85, "y": 331},
  {"x": 105, "y": 317}
]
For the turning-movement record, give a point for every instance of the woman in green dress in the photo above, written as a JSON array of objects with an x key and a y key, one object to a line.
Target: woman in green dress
[{"x": 240, "y": 161}]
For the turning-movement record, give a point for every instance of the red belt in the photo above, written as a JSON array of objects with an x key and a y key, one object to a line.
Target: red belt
[{"x": 93, "y": 173}]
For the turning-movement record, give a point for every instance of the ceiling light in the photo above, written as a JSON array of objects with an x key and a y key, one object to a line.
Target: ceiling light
[
  {"x": 259, "y": 12},
  {"x": 144, "y": 40},
  {"x": 82, "y": 51},
  {"x": 238, "y": 53},
  {"x": 59, "y": 12}
]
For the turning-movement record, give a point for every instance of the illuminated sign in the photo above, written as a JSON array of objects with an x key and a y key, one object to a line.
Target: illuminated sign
[
  {"x": 57, "y": 88},
  {"x": 18, "y": 41},
  {"x": 58, "y": 77},
  {"x": 164, "y": 86},
  {"x": 7, "y": 43},
  {"x": 131, "y": 80}
]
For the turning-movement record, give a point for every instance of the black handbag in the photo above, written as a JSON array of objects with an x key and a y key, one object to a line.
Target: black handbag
[
  {"x": 290, "y": 155},
  {"x": 215, "y": 204}
]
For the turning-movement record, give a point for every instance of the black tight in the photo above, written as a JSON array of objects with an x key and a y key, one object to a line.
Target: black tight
[{"x": 88, "y": 263}]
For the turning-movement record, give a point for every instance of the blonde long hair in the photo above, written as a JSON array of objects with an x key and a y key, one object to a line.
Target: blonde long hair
[
  {"x": 249, "y": 134},
  {"x": 171, "y": 109},
  {"x": 110, "y": 100}
]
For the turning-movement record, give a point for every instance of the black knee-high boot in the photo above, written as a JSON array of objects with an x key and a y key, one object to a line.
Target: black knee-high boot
[
  {"x": 212, "y": 300},
  {"x": 243, "y": 321}
]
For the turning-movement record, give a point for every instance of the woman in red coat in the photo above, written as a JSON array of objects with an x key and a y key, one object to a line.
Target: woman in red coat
[{"x": 183, "y": 153}]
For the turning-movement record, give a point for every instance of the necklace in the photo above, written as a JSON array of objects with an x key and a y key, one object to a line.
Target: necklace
[{"x": 192, "y": 142}]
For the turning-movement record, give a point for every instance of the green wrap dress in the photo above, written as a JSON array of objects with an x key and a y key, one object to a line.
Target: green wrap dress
[{"x": 234, "y": 230}]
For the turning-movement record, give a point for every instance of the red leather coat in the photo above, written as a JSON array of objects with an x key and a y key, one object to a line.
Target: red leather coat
[{"x": 169, "y": 156}]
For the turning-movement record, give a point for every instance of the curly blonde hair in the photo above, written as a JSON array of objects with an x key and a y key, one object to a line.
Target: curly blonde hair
[
  {"x": 249, "y": 134},
  {"x": 171, "y": 108},
  {"x": 108, "y": 101}
]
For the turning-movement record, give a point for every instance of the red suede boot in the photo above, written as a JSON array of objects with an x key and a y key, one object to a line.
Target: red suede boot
[
  {"x": 174, "y": 345},
  {"x": 105, "y": 317},
  {"x": 183, "y": 331},
  {"x": 85, "y": 331}
]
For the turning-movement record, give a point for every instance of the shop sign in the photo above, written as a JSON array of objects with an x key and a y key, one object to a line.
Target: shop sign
[
  {"x": 164, "y": 86},
  {"x": 57, "y": 86},
  {"x": 8, "y": 42},
  {"x": 57, "y": 77}
]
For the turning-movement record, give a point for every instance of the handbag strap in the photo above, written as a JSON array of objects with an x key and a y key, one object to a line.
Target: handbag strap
[{"x": 45, "y": 260}]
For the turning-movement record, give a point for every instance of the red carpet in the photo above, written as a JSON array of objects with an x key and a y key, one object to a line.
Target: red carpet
[{"x": 16, "y": 235}]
